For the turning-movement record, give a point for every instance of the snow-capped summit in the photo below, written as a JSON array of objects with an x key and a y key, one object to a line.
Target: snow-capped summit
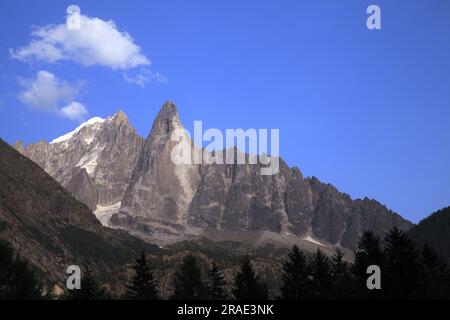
[
  {"x": 93, "y": 161},
  {"x": 67, "y": 136}
]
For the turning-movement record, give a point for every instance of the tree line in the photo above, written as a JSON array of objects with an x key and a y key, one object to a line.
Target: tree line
[{"x": 407, "y": 272}]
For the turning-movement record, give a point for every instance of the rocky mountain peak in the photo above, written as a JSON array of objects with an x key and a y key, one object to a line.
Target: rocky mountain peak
[
  {"x": 18, "y": 145},
  {"x": 85, "y": 126},
  {"x": 135, "y": 185},
  {"x": 94, "y": 161},
  {"x": 166, "y": 122},
  {"x": 169, "y": 107},
  {"x": 297, "y": 173},
  {"x": 120, "y": 118}
]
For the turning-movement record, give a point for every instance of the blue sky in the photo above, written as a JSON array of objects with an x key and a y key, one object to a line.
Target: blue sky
[{"x": 367, "y": 111}]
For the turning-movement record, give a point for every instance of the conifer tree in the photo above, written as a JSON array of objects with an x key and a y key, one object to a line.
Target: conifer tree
[
  {"x": 188, "y": 281},
  {"x": 321, "y": 274},
  {"x": 342, "y": 280},
  {"x": 369, "y": 253},
  {"x": 403, "y": 268},
  {"x": 143, "y": 284},
  {"x": 435, "y": 282},
  {"x": 90, "y": 288},
  {"x": 247, "y": 286},
  {"x": 216, "y": 284},
  {"x": 429, "y": 258},
  {"x": 339, "y": 267},
  {"x": 296, "y": 272},
  {"x": 17, "y": 278}
]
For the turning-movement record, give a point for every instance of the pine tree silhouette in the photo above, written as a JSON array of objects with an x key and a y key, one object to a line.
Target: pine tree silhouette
[
  {"x": 435, "y": 282},
  {"x": 247, "y": 285},
  {"x": 143, "y": 284},
  {"x": 17, "y": 277},
  {"x": 369, "y": 253},
  {"x": 403, "y": 268},
  {"x": 434, "y": 231},
  {"x": 430, "y": 258},
  {"x": 216, "y": 284},
  {"x": 188, "y": 281},
  {"x": 321, "y": 274},
  {"x": 340, "y": 273},
  {"x": 90, "y": 289},
  {"x": 296, "y": 276}
]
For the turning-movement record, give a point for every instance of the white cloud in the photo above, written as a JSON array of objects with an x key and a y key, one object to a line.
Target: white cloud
[
  {"x": 96, "y": 42},
  {"x": 74, "y": 111},
  {"x": 47, "y": 93},
  {"x": 144, "y": 76}
]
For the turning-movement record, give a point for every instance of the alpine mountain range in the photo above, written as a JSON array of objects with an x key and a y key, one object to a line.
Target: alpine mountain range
[{"x": 131, "y": 183}]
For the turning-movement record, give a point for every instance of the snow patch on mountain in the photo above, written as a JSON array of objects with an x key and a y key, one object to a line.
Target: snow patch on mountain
[
  {"x": 89, "y": 160},
  {"x": 310, "y": 239},
  {"x": 67, "y": 136},
  {"x": 104, "y": 213}
]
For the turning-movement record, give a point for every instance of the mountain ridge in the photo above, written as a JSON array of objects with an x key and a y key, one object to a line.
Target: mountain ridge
[
  {"x": 434, "y": 231},
  {"x": 162, "y": 202}
]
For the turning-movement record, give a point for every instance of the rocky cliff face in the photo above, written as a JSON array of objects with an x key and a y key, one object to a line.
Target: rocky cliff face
[
  {"x": 159, "y": 190},
  {"x": 106, "y": 165},
  {"x": 94, "y": 162}
]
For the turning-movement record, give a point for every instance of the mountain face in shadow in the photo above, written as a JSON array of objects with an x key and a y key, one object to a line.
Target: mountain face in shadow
[
  {"x": 131, "y": 183},
  {"x": 434, "y": 231},
  {"x": 48, "y": 226}
]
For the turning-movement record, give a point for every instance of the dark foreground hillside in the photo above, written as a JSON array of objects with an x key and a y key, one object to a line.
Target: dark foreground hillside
[
  {"x": 434, "y": 231},
  {"x": 49, "y": 227}
]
